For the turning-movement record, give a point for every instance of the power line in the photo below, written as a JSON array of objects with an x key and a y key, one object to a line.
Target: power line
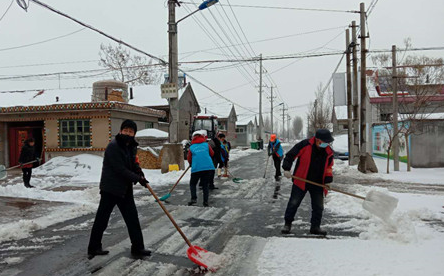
[
  {"x": 282, "y": 8},
  {"x": 6, "y": 10},
  {"x": 43, "y": 41},
  {"x": 45, "y": 64}
]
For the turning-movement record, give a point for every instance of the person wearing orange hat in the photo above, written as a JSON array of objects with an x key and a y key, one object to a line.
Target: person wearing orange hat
[{"x": 275, "y": 149}]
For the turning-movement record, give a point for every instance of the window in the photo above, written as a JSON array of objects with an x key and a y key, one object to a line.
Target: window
[
  {"x": 239, "y": 130},
  {"x": 149, "y": 125},
  {"x": 75, "y": 133}
]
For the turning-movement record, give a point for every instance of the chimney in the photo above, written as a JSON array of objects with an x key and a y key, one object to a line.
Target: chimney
[
  {"x": 57, "y": 99},
  {"x": 131, "y": 93},
  {"x": 106, "y": 93}
]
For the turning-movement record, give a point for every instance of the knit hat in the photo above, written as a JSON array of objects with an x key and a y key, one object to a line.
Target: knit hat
[
  {"x": 324, "y": 135},
  {"x": 129, "y": 124},
  {"x": 273, "y": 137}
]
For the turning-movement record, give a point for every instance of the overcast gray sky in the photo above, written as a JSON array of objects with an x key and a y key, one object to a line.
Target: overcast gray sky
[{"x": 144, "y": 25}]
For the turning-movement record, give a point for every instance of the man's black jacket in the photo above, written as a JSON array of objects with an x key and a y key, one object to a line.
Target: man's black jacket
[{"x": 119, "y": 167}]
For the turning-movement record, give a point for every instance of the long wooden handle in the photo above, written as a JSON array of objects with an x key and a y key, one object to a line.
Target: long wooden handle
[
  {"x": 179, "y": 179},
  {"x": 266, "y": 166},
  {"x": 10, "y": 168},
  {"x": 327, "y": 187},
  {"x": 169, "y": 216}
]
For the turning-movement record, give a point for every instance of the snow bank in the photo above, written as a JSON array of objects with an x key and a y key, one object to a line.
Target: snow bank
[
  {"x": 238, "y": 153},
  {"x": 152, "y": 132},
  {"x": 82, "y": 167},
  {"x": 288, "y": 256}
]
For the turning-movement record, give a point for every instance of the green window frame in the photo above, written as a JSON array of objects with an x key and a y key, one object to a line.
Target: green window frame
[
  {"x": 75, "y": 133},
  {"x": 149, "y": 125}
]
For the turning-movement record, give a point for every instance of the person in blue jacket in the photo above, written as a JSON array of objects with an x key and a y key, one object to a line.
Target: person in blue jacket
[
  {"x": 275, "y": 149},
  {"x": 202, "y": 167}
]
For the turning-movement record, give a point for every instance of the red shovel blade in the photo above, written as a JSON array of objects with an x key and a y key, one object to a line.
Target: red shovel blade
[{"x": 195, "y": 257}]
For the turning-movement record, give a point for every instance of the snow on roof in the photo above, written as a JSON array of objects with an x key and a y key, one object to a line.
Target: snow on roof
[
  {"x": 341, "y": 112},
  {"x": 152, "y": 132},
  {"x": 146, "y": 95},
  {"x": 46, "y": 97}
]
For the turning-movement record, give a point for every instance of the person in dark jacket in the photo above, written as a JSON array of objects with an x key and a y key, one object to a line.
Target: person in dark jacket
[
  {"x": 201, "y": 164},
  {"x": 224, "y": 152},
  {"x": 27, "y": 154},
  {"x": 275, "y": 150},
  {"x": 119, "y": 172},
  {"x": 315, "y": 162},
  {"x": 217, "y": 161}
]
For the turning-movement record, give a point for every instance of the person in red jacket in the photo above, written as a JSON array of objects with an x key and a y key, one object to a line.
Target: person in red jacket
[{"x": 315, "y": 162}]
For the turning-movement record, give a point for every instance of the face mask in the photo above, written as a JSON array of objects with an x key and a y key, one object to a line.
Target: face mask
[
  {"x": 126, "y": 138},
  {"x": 323, "y": 145}
]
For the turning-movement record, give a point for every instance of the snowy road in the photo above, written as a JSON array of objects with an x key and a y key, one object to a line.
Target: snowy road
[{"x": 239, "y": 225}]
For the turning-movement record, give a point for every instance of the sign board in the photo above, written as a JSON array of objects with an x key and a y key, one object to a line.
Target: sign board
[
  {"x": 339, "y": 89},
  {"x": 169, "y": 90}
]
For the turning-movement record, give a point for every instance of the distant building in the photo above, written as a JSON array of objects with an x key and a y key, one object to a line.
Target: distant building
[
  {"x": 245, "y": 133},
  {"x": 68, "y": 122},
  {"x": 227, "y": 125}
]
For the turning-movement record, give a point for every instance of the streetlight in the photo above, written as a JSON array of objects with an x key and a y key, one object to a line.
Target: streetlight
[{"x": 170, "y": 90}]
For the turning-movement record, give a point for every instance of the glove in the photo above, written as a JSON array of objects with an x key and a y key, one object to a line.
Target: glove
[
  {"x": 140, "y": 172},
  {"x": 287, "y": 174},
  {"x": 143, "y": 181}
]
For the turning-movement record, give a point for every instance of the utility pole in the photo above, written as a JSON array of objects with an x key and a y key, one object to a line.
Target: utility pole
[
  {"x": 260, "y": 99},
  {"x": 395, "y": 111},
  {"x": 355, "y": 151},
  {"x": 283, "y": 120},
  {"x": 349, "y": 98},
  {"x": 172, "y": 70},
  {"x": 288, "y": 127},
  {"x": 272, "y": 99},
  {"x": 363, "y": 134}
]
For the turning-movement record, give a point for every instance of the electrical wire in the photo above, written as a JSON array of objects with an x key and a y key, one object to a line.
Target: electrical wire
[
  {"x": 40, "y": 42},
  {"x": 6, "y": 10},
  {"x": 283, "y": 8}
]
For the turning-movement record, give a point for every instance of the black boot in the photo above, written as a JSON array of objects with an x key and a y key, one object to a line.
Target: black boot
[
  {"x": 192, "y": 202},
  {"x": 140, "y": 252},
  {"x": 317, "y": 230},
  {"x": 286, "y": 229},
  {"x": 99, "y": 251},
  {"x": 205, "y": 204}
]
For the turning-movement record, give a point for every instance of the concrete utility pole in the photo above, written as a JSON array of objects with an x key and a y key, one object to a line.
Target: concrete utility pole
[
  {"x": 395, "y": 146},
  {"x": 355, "y": 151},
  {"x": 172, "y": 70},
  {"x": 271, "y": 99},
  {"x": 288, "y": 127},
  {"x": 349, "y": 98},
  {"x": 260, "y": 98},
  {"x": 283, "y": 120},
  {"x": 363, "y": 133}
]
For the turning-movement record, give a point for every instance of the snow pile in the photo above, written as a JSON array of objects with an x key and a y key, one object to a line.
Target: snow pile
[
  {"x": 287, "y": 256},
  {"x": 152, "y": 132},
  {"x": 340, "y": 143},
  {"x": 82, "y": 167},
  {"x": 238, "y": 153},
  {"x": 209, "y": 260}
]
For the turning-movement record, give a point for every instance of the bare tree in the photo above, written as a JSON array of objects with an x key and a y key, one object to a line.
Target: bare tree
[
  {"x": 320, "y": 112},
  {"x": 267, "y": 124},
  {"x": 298, "y": 125},
  {"x": 131, "y": 69},
  {"x": 419, "y": 79}
]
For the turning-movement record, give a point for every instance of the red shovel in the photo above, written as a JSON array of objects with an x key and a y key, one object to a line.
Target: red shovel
[{"x": 193, "y": 250}]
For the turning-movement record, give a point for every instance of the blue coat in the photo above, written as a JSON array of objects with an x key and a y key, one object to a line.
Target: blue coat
[
  {"x": 201, "y": 158},
  {"x": 276, "y": 147}
]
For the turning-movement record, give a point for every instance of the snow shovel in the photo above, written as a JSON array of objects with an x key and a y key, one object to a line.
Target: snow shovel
[
  {"x": 194, "y": 253},
  {"x": 234, "y": 179},
  {"x": 165, "y": 197},
  {"x": 4, "y": 170},
  {"x": 377, "y": 203},
  {"x": 266, "y": 165}
]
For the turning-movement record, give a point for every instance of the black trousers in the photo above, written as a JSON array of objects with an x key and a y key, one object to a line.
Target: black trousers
[
  {"x": 277, "y": 165},
  {"x": 27, "y": 175},
  {"x": 128, "y": 210},
  {"x": 211, "y": 178},
  {"x": 204, "y": 177},
  {"x": 317, "y": 203}
]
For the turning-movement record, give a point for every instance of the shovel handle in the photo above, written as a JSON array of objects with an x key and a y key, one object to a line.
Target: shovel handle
[
  {"x": 327, "y": 187},
  {"x": 169, "y": 215},
  {"x": 266, "y": 166},
  {"x": 172, "y": 189},
  {"x": 16, "y": 166}
]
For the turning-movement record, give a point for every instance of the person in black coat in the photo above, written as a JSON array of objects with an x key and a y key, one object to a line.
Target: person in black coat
[
  {"x": 119, "y": 172},
  {"x": 217, "y": 161},
  {"x": 27, "y": 154}
]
